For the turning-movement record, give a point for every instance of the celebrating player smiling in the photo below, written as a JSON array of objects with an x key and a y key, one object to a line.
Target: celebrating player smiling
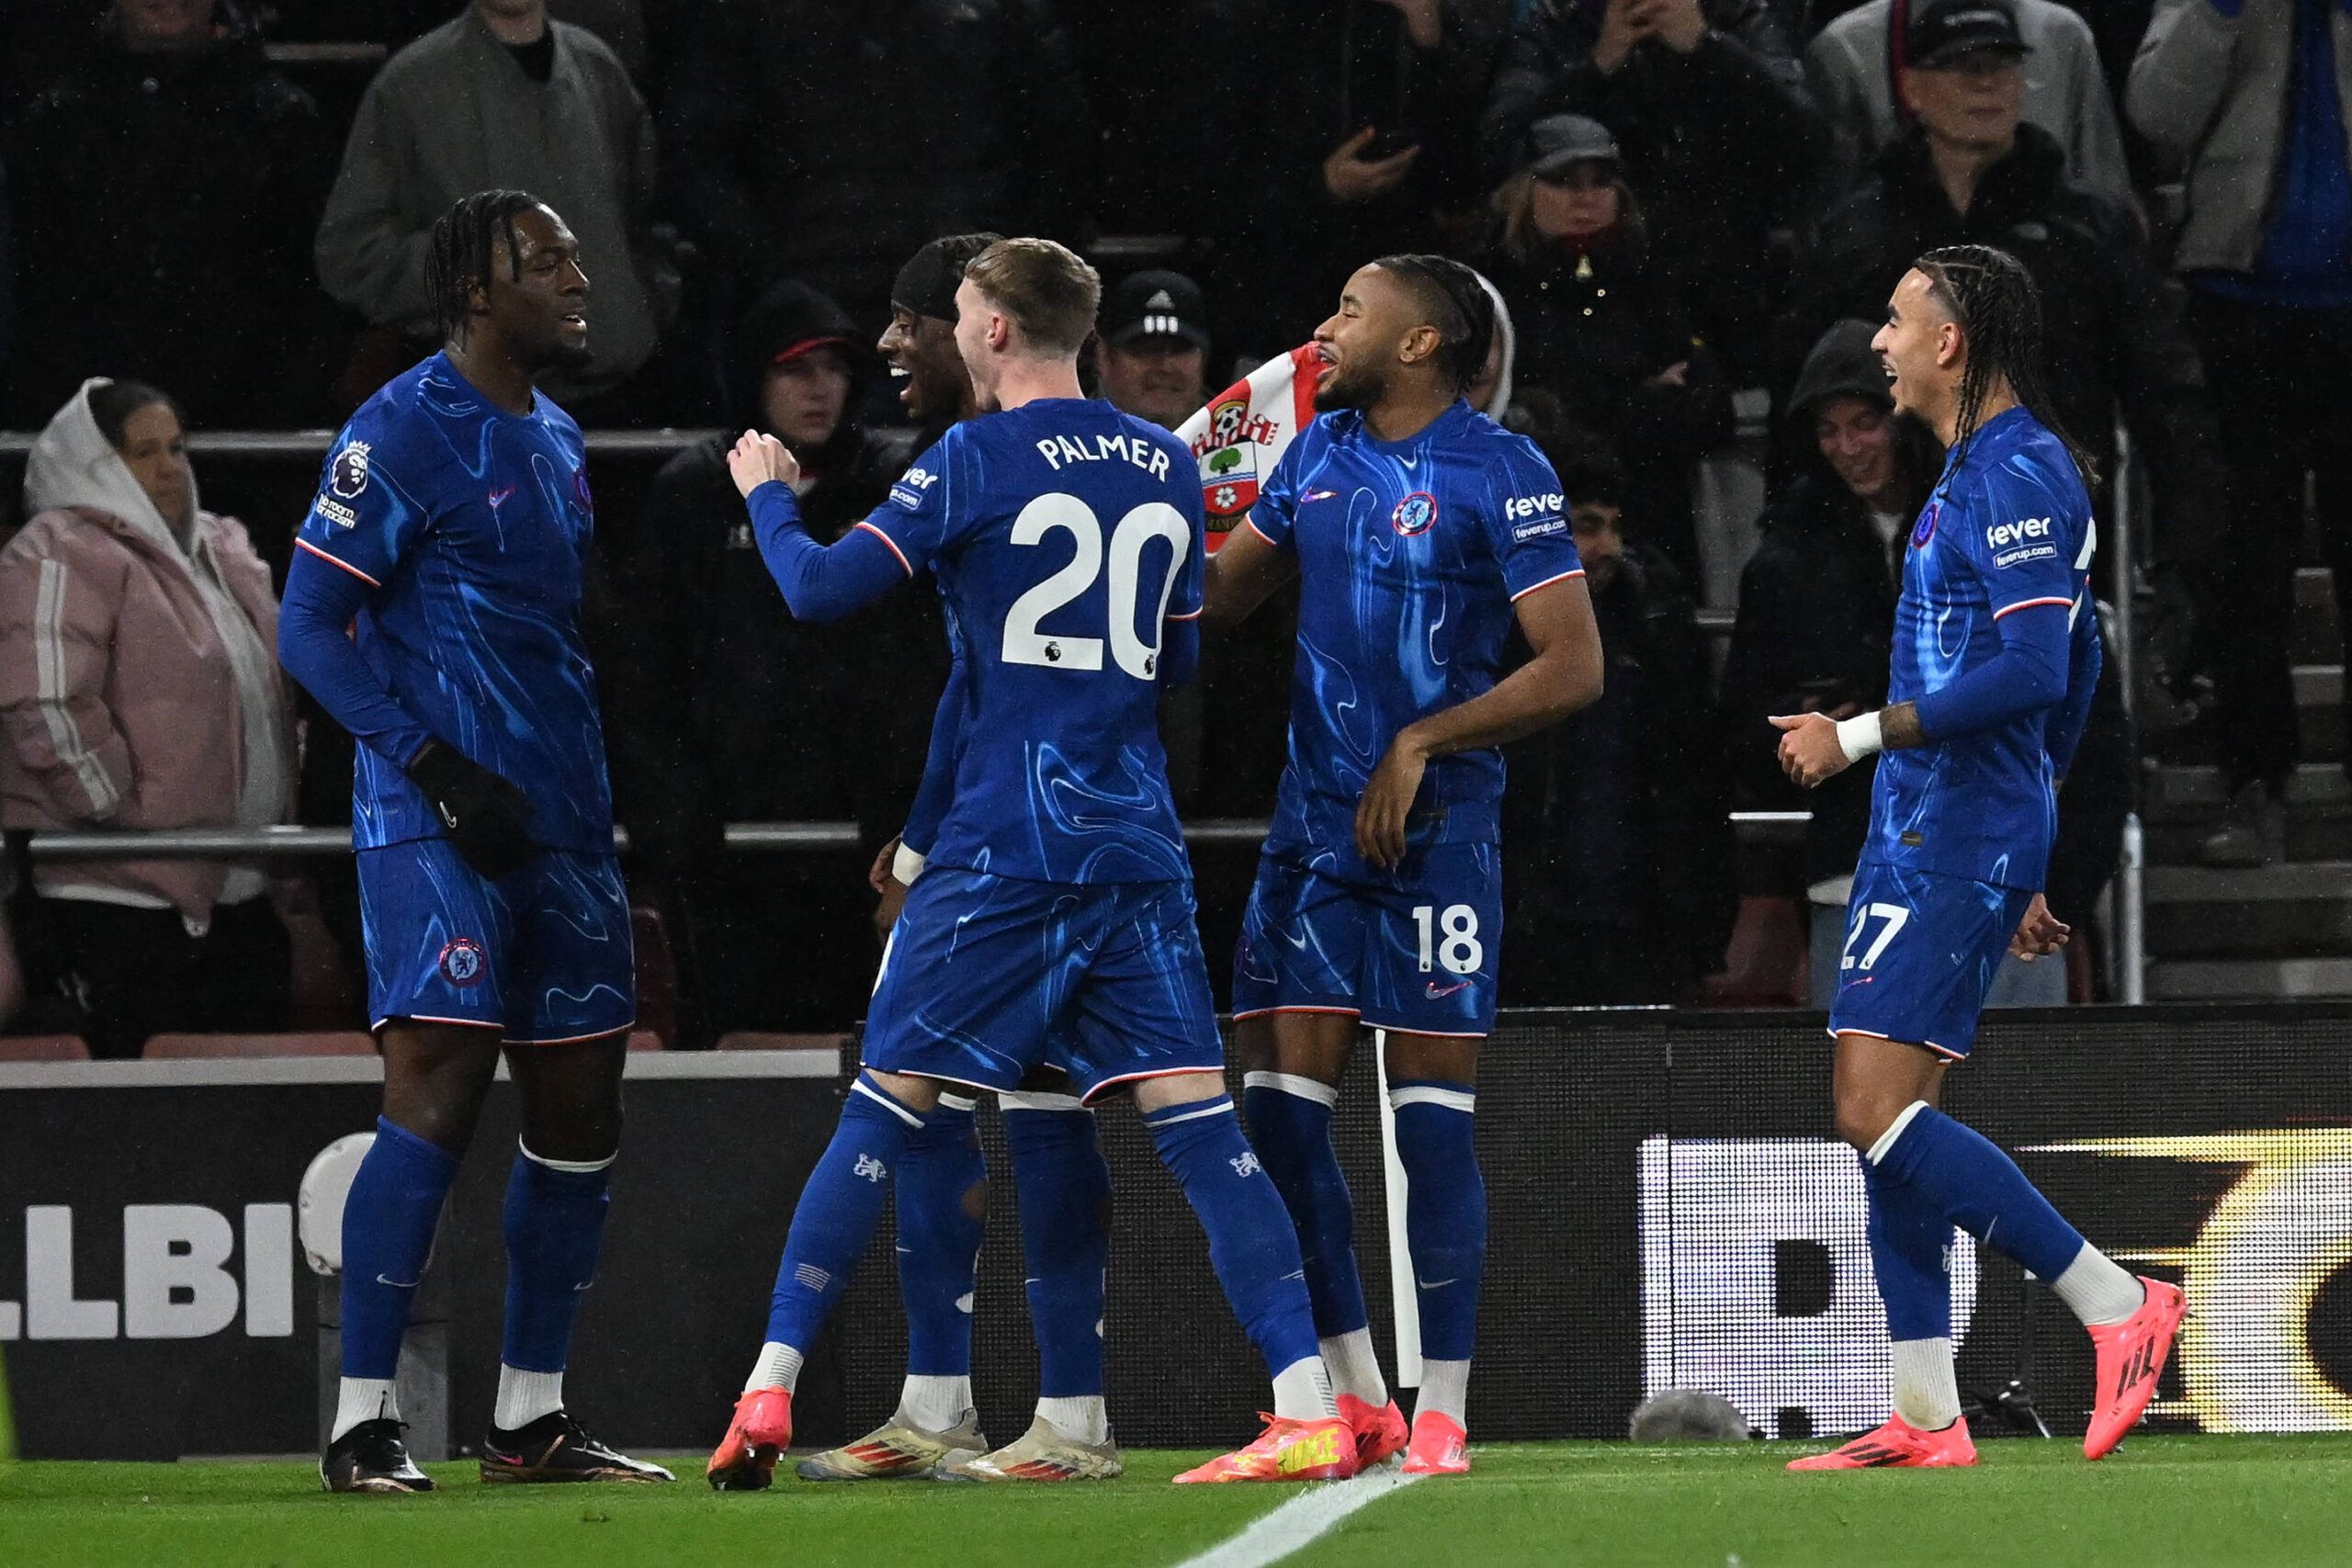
[
  {"x": 1420, "y": 529},
  {"x": 1996, "y": 653}
]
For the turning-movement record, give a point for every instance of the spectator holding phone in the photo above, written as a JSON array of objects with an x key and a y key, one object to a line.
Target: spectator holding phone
[{"x": 1709, "y": 105}]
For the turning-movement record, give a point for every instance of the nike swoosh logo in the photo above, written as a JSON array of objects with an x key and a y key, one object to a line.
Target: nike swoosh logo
[
  {"x": 1321, "y": 494},
  {"x": 1435, "y": 1284},
  {"x": 448, "y": 818},
  {"x": 1434, "y": 994}
]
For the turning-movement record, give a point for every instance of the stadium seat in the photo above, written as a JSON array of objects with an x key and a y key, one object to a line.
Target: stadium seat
[
  {"x": 43, "y": 1048},
  {"x": 657, "y": 976},
  {"x": 336, "y": 1043}
]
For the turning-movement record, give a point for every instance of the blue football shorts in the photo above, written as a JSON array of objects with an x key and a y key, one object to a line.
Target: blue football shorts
[
  {"x": 544, "y": 956},
  {"x": 1921, "y": 951},
  {"x": 1415, "y": 952},
  {"x": 987, "y": 978}
]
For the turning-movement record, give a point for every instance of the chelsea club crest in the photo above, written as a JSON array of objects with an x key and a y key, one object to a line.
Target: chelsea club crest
[{"x": 1415, "y": 514}]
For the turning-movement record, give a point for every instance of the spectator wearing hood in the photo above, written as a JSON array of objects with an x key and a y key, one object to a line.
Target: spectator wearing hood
[
  {"x": 1599, "y": 326},
  {"x": 138, "y": 690},
  {"x": 1617, "y": 851},
  {"x": 165, "y": 181},
  {"x": 1718, "y": 135},
  {"x": 726, "y": 709},
  {"x": 1856, "y": 63},
  {"x": 1816, "y": 604},
  {"x": 1974, "y": 171}
]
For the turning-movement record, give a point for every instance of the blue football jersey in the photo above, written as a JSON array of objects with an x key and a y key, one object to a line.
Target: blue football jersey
[
  {"x": 470, "y": 528},
  {"x": 1063, "y": 534},
  {"x": 1410, "y": 555},
  {"x": 2009, "y": 527}
]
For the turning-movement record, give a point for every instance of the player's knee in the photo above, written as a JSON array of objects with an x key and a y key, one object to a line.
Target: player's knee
[
  {"x": 1865, "y": 1114},
  {"x": 975, "y": 1201}
]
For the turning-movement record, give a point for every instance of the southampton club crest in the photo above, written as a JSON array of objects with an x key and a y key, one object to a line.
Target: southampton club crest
[
  {"x": 463, "y": 962},
  {"x": 1415, "y": 514},
  {"x": 347, "y": 474}
]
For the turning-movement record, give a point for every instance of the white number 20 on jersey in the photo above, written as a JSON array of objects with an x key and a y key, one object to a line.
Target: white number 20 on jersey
[{"x": 1024, "y": 644}]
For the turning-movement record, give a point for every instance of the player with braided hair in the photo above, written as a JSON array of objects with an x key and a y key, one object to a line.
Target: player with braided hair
[
  {"x": 1419, "y": 530},
  {"x": 1997, "y": 654}
]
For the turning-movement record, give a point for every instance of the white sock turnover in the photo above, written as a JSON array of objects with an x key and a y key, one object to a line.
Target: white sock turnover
[
  {"x": 935, "y": 1403},
  {"x": 524, "y": 1397},
  {"x": 1925, "y": 1393},
  {"x": 1355, "y": 1367},
  {"x": 1446, "y": 1388},
  {"x": 1079, "y": 1418},
  {"x": 364, "y": 1399},
  {"x": 2099, "y": 1287},
  {"x": 779, "y": 1366},
  {"x": 1303, "y": 1391}
]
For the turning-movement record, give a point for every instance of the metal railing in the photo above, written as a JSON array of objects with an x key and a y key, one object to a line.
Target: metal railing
[{"x": 786, "y": 838}]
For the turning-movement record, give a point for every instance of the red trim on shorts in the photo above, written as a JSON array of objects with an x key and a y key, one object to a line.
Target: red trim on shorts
[
  {"x": 1088, "y": 1098},
  {"x": 1268, "y": 1012},
  {"x": 1432, "y": 1033},
  {"x": 575, "y": 1039},
  {"x": 425, "y": 1018}
]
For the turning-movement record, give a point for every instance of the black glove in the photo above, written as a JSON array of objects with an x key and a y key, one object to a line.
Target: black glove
[{"x": 487, "y": 818}]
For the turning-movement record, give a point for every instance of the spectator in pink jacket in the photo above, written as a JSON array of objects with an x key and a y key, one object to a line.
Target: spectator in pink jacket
[{"x": 138, "y": 689}]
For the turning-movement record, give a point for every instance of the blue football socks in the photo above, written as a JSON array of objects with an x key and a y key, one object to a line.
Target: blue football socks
[
  {"x": 838, "y": 1211},
  {"x": 387, "y": 1223},
  {"x": 943, "y": 1208},
  {"x": 1290, "y": 1126},
  {"x": 1252, "y": 1245},
  {"x": 1445, "y": 1209},
  {"x": 555, "y": 1228},
  {"x": 1909, "y": 1237},
  {"x": 1063, "y": 1187},
  {"x": 1979, "y": 1188}
]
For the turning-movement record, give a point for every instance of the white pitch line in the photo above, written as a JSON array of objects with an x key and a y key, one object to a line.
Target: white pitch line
[{"x": 1299, "y": 1522}]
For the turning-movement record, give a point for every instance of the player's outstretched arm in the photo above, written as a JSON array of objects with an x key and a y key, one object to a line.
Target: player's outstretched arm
[
  {"x": 1564, "y": 676},
  {"x": 2028, "y": 675},
  {"x": 1245, "y": 569},
  {"x": 820, "y": 582}
]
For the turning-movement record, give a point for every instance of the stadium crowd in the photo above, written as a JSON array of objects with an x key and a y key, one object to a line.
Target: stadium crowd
[{"x": 1677, "y": 200}]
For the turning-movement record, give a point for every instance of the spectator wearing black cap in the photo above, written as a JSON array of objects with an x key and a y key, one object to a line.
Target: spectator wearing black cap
[
  {"x": 1600, "y": 328},
  {"x": 1617, "y": 855},
  {"x": 1151, "y": 357},
  {"x": 1710, "y": 104},
  {"x": 1855, "y": 65},
  {"x": 1972, "y": 171},
  {"x": 725, "y": 708}
]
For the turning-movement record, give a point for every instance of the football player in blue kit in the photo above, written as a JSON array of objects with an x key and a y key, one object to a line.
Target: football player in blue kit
[
  {"x": 1420, "y": 531},
  {"x": 433, "y": 607},
  {"x": 1057, "y": 901},
  {"x": 1997, "y": 654}
]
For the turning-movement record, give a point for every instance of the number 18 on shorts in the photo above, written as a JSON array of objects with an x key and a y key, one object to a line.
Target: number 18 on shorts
[{"x": 1413, "y": 953}]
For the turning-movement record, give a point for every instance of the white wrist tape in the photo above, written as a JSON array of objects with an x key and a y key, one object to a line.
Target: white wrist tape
[
  {"x": 1858, "y": 736},
  {"x": 906, "y": 865}
]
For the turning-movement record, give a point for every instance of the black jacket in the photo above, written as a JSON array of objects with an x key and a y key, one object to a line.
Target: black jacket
[
  {"x": 827, "y": 140},
  {"x": 163, "y": 211},
  {"x": 1615, "y": 817},
  {"x": 1816, "y": 620},
  {"x": 2111, "y": 324},
  {"x": 1272, "y": 91},
  {"x": 723, "y": 707},
  {"x": 1721, "y": 143}
]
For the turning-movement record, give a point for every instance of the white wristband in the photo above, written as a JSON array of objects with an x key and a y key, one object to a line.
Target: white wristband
[
  {"x": 906, "y": 865},
  {"x": 1858, "y": 736}
]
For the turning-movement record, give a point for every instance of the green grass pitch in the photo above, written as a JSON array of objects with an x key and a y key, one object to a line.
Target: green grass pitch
[{"x": 2184, "y": 1501}]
